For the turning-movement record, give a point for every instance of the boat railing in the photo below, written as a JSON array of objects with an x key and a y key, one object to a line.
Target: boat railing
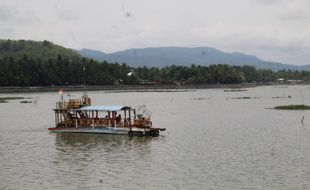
[
  {"x": 73, "y": 103},
  {"x": 62, "y": 105},
  {"x": 143, "y": 122},
  {"x": 86, "y": 121},
  {"x": 74, "y": 121}
]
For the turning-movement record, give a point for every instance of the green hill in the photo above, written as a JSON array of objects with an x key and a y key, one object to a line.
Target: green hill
[
  {"x": 43, "y": 50},
  {"x": 31, "y": 63}
]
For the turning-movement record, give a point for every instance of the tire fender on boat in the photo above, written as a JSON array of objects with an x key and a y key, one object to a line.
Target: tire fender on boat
[{"x": 130, "y": 133}]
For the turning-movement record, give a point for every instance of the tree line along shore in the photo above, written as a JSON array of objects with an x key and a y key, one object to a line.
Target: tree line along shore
[
  {"x": 26, "y": 63},
  {"x": 59, "y": 71},
  {"x": 122, "y": 88}
]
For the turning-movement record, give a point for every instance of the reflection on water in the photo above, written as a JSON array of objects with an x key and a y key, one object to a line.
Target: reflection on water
[
  {"x": 97, "y": 158},
  {"x": 93, "y": 142}
]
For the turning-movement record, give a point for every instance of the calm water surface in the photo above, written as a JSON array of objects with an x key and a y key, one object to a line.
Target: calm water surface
[{"x": 211, "y": 142}]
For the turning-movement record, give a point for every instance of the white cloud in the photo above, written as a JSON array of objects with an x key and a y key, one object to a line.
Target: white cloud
[
  {"x": 276, "y": 30},
  {"x": 270, "y": 2},
  {"x": 66, "y": 15},
  {"x": 6, "y": 14}
]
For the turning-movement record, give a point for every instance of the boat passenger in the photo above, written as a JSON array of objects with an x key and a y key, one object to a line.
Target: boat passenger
[{"x": 118, "y": 118}]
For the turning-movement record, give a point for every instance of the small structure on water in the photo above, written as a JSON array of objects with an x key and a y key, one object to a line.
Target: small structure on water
[{"x": 79, "y": 116}]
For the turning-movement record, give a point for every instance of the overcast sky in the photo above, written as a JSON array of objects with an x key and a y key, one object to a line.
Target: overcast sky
[{"x": 274, "y": 30}]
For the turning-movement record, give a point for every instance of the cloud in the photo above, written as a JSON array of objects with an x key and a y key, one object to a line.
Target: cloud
[
  {"x": 295, "y": 15},
  {"x": 66, "y": 15},
  {"x": 268, "y": 41},
  {"x": 272, "y": 29},
  {"x": 269, "y": 2},
  {"x": 6, "y": 14},
  {"x": 7, "y": 21},
  {"x": 296, "y": 11}
]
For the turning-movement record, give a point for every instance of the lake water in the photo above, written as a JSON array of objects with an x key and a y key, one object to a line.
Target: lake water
[{"x": 212, "y": 142}]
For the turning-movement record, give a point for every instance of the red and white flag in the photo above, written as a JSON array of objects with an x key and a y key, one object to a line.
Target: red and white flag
[{"x": 61, "y": 91}]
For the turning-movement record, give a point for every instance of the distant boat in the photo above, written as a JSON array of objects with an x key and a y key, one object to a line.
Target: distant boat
[{"x": 79, "y": 116}]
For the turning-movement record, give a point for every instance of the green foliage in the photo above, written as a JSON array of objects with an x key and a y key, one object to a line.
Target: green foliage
[
  {"x": 5, "y": 99},
  {"x": 11, "y": 98},
  {"x": 36, "y": 50},
  {"x": 60, "y": 71},
  {"x": 293, "y": 107},
  {"x": 25, "y": 101}
]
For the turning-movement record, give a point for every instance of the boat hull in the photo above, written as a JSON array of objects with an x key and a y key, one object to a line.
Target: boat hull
[{"x": 108, "y": 130}]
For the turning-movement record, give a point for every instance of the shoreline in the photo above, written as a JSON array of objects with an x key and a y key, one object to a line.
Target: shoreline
[
  {"x": 138, "y": 88},
  {"x": 122, "y": 88}
]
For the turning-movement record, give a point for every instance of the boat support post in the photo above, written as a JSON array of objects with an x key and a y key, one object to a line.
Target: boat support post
[{"x": 92, "y": 124}]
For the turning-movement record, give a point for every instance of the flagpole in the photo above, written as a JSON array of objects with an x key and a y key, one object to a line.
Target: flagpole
[
  {"x": 84, "y": 76},
  {"x": 84, "y": 86}
]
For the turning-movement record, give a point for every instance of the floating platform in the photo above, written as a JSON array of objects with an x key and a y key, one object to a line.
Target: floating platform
[{"x": 79, "y": 116}]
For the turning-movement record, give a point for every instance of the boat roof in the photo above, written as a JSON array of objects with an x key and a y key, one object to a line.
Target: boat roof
[{"x": 104, "y": 108}]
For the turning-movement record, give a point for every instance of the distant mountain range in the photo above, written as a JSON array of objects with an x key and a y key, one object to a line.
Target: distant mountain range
[{"x": 165, "y": 56}]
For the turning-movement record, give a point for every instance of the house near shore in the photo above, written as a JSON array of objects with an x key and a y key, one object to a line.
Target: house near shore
[{"x": 291, "y": 81}]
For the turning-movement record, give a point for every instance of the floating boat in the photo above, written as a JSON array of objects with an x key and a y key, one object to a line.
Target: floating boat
[{"x": 79, "y": 116}]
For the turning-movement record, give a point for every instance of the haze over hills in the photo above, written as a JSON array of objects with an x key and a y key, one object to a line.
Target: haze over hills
[
  {"x": 150, "y": 57},
  {"x": 165, "y": 56}
]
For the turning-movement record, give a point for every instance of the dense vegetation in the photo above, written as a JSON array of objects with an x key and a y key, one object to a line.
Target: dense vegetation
[
  {"x": 5, "y": 99},
  {"x": 45, "y": 64},
  {"x": 59, "y": 71},
  {"x": 293, "y": 107},
  {"x": 36, "y": 50}
]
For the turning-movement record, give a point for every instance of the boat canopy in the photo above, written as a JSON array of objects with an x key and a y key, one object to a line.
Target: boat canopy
[{"x": 104, "y": 108}]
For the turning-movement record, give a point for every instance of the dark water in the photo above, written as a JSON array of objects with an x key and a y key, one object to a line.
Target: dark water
[{"x": 211, "y": 142}]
